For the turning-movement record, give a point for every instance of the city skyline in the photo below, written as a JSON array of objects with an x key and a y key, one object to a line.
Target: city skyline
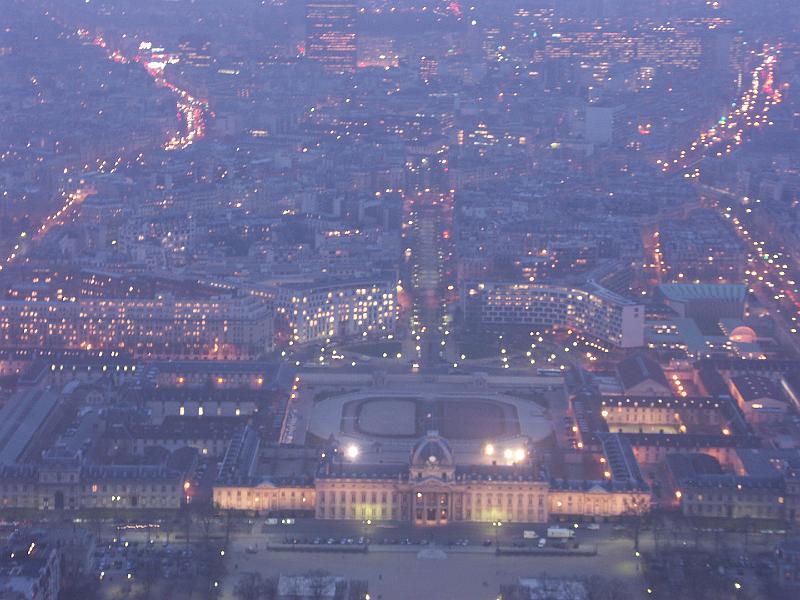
[{"x": 395, "y": 299}]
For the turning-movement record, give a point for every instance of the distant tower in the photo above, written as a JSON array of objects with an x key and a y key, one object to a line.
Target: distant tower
[{"x": 331, "y": 34}]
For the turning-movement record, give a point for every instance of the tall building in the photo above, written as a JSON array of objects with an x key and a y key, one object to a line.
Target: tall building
[
  {"x": 594, "y": 311},
  {"x": 331, "y": 34}
]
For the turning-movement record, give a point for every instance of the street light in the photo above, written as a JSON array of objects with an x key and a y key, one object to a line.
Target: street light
[{"x": 496, "y": 525}]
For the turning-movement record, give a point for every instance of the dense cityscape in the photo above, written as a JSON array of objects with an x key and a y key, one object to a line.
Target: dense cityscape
[{"x": 399, "y": 299}]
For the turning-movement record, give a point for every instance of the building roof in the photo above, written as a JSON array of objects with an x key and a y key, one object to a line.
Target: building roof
[
  {"x": 686, "y": 466},
  {"x": 755, "y": 387},
  {"x": 690, "y": 440},
  {"x": 768, "y": 461},
  {"x": 432, "y": 450},
  {"x": 638, "y": 369},
  {"x": 738, "y": 365},
  {"x": 660, "y": 401},
  {"x": 336, "y": 470},
  {"x": 728, "y": 480},
  {"x": 21, "y": 418},
  {"x": 207, "y": 395},
  {"x": 713, "y": 382},
  {"x": 620, "y": 459},
  {"x": 684, "y": 292},
  {"x": 185, "y": 428},
  {"x": 240, "y": 457}
]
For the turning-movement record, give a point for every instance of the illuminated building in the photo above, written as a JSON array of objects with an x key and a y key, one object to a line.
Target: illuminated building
[
  {"x": 704, "y": 489},
  {"x": 331, "y": 34},
  {"x": 430, "y": 490},
  {"x": 433, "y": 489},
  {"x": 219, "y": 374},
  {"x": 377, "y": 52},
  {"x": 269, "y": 494},
  {"x": 428, "y": 68},
  {"x": 210, "y": 328},
  {"x": 594, "y": 311},
  {"x": 316, "y": 311},
  {"x": 760, "y": 398},
  {"x": 287, "y": 487},
  {"x": 196, "y": 52},
  {"x": 164, "y": 403},
  {"x": 663, "y": 46},
  {"x": 63, "y": 480},
  {"x": 700, "y": 248}
]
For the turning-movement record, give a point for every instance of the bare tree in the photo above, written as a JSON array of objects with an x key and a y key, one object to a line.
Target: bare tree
[
  {"x": 228, "y": 516},
  {"x": 636, "y": 510},
  {"x": 148, "y": 573},
  {"x": 187, "y": 523},
  {"x": 249, "y": 587},
  {"x": 602, "y": 588},
  {"x": 269, "y": 590},
  {"x": 317, "y": 582},
  {"x": 358, "y": 589}
]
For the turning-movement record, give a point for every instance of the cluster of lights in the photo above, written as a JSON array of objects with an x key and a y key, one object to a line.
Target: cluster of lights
[
  {"x": 729, "y": 130},
  {"x": 191, "y": 109},
  {"x": 509, "y": 454},
  {"x": 679, "y": 389},
  {"x": 773, "y": 272},
  {"x": 70, "y": 200}
]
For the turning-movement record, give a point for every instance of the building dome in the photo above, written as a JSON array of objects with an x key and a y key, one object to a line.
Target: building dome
[
  {"x": 743, "y": 335},
  {"x": 432, "y": 450}
]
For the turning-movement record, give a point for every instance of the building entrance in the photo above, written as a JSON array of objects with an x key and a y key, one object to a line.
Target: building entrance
[{"x": 431, "y": 509}]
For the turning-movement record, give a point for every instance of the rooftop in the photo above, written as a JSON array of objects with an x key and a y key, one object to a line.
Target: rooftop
[
  {"x": 684, "y": 292},
  {"x": 640, "y": 368}
]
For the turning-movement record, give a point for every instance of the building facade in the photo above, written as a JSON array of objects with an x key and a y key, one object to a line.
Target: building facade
[
  {"x": 331, "y": 34},
  {"x": 431, "y": 490},
  {"x": 69, "y": 483},
  {"x": 320, "y": 311},
  {"x": 218, "y": 328},
  {"x": 596, "y": 313}
]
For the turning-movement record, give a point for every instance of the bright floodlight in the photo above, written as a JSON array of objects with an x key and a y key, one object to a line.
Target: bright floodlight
[
  {"x": 352, "y": 451},
  {"x": 519, "y": 454},
  {"x": 488, "y": 450},
  {"x": 508, "y": 454}
]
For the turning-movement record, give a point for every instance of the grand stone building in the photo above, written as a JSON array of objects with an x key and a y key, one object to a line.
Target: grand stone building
[{"x": 433, "y": 489}]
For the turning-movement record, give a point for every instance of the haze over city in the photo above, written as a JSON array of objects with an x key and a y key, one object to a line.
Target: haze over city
[{"x": 399, "y": 299}]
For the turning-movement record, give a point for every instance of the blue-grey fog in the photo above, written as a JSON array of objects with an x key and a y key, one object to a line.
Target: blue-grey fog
[{"x": 399, "y": 299}]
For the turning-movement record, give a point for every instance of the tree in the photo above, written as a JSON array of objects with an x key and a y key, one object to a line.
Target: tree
[
  {"x": 80, "y": 587},
  {"x": 229, "y": 521},
  {"x": 746, "y": 524},
  {"x": 187, "y": 522},
  {"x": 659, "y": 524},
  {"x": 358, "y": 589},
  {"x": 249, "y": 587},
  {"x": 636, "y": 509},
  {"x": 317, "y": 582},
  {"x": 211, "y": 561},
  {"x": 269, "y": 591},
  {"x": 148, "y": 573},
  {"x": 602, "y": 588}
]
